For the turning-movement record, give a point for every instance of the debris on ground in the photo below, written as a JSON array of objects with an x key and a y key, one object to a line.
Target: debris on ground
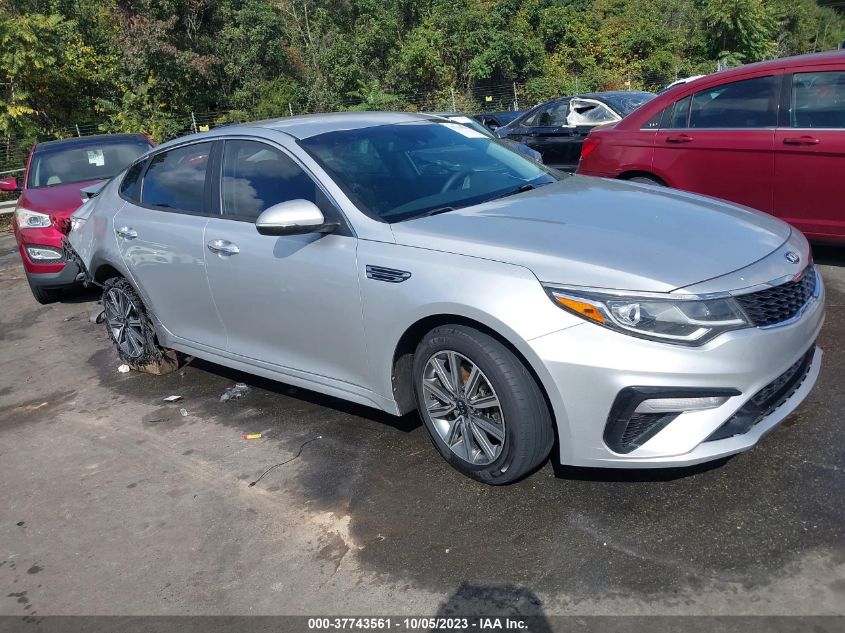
[
  {"x": 97, "y": 314},
  {"x": 233, "y": 393},
  {"x": 70, "y": 318},
  {"x": 164, "y": 363},
  {"x": 183, "y": 412},
  {"x": 253, "y": 436},
  {"x": 123, "y": 369},
  {"x": 172, "y": 398}
]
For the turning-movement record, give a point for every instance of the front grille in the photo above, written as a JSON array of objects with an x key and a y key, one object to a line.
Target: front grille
[
  {"x": 781, "y": 303},
  {"x": 765, "y": 401}
]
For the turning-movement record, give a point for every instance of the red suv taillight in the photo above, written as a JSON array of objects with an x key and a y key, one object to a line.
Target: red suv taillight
[{"x": 588, "y": 146}]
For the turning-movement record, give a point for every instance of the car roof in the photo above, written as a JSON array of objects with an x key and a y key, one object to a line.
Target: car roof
[
  {"x": 306, "y": 125},
  {"x": 94, "y": 139}
]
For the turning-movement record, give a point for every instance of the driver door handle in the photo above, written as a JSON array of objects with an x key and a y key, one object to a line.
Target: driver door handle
[
  {"x": 223, "y": 247},
  {"x": 679, "y": 138},
  {"x": 127, "y": 232},
  {"x": 801, "y": 140}
]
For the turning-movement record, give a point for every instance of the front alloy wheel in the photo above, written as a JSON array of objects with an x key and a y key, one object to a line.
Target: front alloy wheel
[
  {"x": 482, "y": 407},
  {"x": 464, "y": 407}
]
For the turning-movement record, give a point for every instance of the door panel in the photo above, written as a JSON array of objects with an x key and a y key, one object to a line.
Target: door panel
[
  {"x": 160, "y": 239},
  {"x": 719, "y": 142},
  {"x": 809, "y": 153},
  {"x": 291, "y": 301},
  {"x": 166, "y": 258}
]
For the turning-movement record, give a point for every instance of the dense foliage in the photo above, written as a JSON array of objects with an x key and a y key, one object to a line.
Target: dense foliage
[{"x": 147, "y": 64}]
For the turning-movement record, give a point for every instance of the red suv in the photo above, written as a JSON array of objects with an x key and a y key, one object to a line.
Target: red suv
[
  {"x": 768, "y": 135},
  {"x": 55, "y": 174}
]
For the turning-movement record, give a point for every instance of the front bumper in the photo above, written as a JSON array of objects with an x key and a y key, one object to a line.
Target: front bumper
[{"x": 586, "y": 367}]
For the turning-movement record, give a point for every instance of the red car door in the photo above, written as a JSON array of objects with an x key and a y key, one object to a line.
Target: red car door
[
  {"x": 718, "y": 141},
  {"x": 810, "y": 152}
]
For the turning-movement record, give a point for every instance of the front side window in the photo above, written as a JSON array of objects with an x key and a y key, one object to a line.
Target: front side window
[
  {"x": 589, "y": 112},
  {"x": 397, "y": 172},
  {"x": 818, "y": 100},
  {"x": 552, "y": 115},
  {"x": 83, "y": 162},
  {"x": 256, "y": 176},
  {"x": 175, "y": 179},
  {"x": 750, "y": 103}
]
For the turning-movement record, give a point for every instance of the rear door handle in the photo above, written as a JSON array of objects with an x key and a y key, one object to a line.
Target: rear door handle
[
  {"x": 127, "y": 232},
  {"x": 679, "y": 138},
  {"x": 223, "y": 247},
  {"x": 801, "y": 140}
]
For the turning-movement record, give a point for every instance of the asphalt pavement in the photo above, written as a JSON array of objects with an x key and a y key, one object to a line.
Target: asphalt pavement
[{"x": 114, "y": 502}]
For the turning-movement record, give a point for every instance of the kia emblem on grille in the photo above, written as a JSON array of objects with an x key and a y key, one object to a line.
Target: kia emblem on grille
[{"x": 792, "y": 258}]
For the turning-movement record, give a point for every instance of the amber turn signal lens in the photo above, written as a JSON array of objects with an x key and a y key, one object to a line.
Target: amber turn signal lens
[{"x": 587, "y": 310}]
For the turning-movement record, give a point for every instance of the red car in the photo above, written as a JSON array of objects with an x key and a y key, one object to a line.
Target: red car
[
  {"x": 55, "y": 174},
  {"x": 768, "y": 135}
]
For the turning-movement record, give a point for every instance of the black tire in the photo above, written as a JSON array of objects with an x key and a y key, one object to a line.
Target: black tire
[
  {"x": 528, "y": 431},
  {"x": 647, "y": 180},
  {"x": 46, "y": 295},
  {"x": 143, "y": 348}
]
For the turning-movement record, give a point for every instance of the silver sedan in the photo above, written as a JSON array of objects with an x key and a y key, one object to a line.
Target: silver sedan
[{"x": 406, "y": 262}]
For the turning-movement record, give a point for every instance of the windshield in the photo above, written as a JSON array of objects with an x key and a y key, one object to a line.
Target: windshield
[
  {"x": 625, "y": 103},
  {"x": 396, "y": 172},
  {"x": 81, "y": 163}
]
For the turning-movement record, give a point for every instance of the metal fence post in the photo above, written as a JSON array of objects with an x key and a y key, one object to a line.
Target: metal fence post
[
  {"x": 194, "y": 122},
  {"x": 454, "y": 106},
  {"x": 290, "y": 108},
  {"x": 78, "y": 133},
  {"x": 515, "y": 99}
]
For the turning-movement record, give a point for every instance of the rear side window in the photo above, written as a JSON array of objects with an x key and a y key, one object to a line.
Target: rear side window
[
  {"x": 175, "y": 179},
  {"x": 750, "y": 103},
  {"x": 818, "y": 100},
  {"x": 679, "y": 115},
  {"x": 130, "y": 187},
  {"x": 256, "y": 176}
]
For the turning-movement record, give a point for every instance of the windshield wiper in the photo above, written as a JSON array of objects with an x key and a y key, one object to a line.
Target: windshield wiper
[{"x": 429, "y": 213}]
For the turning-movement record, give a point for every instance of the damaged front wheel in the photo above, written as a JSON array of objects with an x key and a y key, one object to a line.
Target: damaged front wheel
[{"x": 131, "y": 329}]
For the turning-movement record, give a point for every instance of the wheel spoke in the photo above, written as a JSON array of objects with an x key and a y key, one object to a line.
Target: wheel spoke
[
  {"x": 482, "y": 441},
  {"x": 455, "y": 373},
  {"x": 452, "y": 432},
  {"x": 485, "y": 402},
  {"x": 489, "y": 426},
  {"x": 440, "y": 394},
  {"x": 466, "y": 436},
  {"x": 438, "y": 410},
  {"x": 444, "y": 378},
  {"x": 471, "y": 383}
]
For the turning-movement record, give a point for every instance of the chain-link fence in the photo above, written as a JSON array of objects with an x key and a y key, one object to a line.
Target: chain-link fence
[{"x": 512, "y": 96}]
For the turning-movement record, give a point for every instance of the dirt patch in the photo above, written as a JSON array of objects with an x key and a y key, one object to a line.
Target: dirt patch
[{"x": 5, "y": 222}]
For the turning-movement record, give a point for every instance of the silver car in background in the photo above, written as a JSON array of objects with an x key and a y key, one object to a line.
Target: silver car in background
[{"x": 405, "y": 262}]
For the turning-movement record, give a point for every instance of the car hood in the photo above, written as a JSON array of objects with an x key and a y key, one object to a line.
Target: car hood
[
  {"x": 605, "y": 234},
  {"x": 58, "y": 200}
]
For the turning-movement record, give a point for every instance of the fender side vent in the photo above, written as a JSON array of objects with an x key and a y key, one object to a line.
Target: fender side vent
[{"x": 390, "y": 275}]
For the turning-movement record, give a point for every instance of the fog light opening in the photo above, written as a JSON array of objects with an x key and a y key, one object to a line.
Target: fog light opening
[
  {"x": 43, "y": 253},
  {"x": 680, "y": 405}
]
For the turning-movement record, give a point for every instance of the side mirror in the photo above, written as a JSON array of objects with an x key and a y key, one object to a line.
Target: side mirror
[
  {"x": 9, "y": 184},
  {"x": 492, "y": 127},
  {"x": 294, "y": 217}
]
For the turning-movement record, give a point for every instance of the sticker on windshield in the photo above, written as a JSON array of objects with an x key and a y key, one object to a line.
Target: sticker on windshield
[
  {"x": 96, "y": 157},
  {"x": 463, "y": 129}
]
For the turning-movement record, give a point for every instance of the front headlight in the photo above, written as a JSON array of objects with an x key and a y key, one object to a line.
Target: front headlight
[
  {"x": 28, "y": 219},
  {"x": 684, "y": 321}
]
